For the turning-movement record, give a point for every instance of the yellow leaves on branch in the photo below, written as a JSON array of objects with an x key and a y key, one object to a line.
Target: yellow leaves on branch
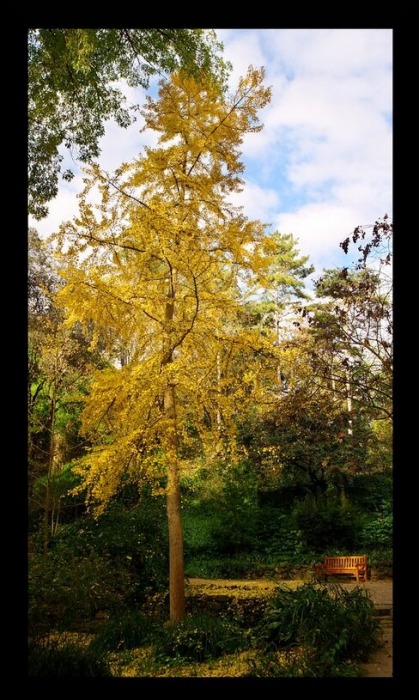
[{"x": 154, "y": 270}]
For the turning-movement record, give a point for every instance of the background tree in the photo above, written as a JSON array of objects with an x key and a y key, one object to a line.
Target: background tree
[
  {"x": 59, "y": 366},
  {"x": 353, "y": 324},
  {"x": 284, "y": 283},
  {"x": 73, "y": 89},
  {"x": 157, "y": 270},
  {"x": 303, "y": 436}
]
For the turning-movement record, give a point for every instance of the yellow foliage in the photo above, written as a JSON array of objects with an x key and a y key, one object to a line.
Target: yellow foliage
[{"x": 154, "y": 272}]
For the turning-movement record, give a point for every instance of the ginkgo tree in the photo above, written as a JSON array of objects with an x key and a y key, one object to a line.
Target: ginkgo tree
[{"x": 157, "y": 270}]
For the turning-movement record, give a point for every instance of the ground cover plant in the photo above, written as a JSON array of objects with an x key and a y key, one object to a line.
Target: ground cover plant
[{"x": 314, "y": 630}]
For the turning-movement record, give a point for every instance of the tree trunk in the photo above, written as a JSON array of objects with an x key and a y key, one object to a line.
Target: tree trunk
[
  {"x": 176, "y": 563},
  {"x": 349, "y": 402},
  {"x": 49, "y": 475}
]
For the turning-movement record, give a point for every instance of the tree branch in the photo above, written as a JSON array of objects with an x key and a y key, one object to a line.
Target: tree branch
[{"x": 152, "y": 317}]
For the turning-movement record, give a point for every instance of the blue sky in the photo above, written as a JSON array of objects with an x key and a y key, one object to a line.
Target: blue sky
[{"x": 322, "y": 165}]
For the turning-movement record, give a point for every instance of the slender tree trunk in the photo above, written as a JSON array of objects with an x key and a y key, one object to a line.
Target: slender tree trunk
[
  {"x": 49, "y": 474},
  {"x": 349, "y": 402},
  {"x": 334, "y": 396},
  {"x": 176, "y": 562},
  {"x": 219, "y": 422},
  {"x": 277, "y": 334}
]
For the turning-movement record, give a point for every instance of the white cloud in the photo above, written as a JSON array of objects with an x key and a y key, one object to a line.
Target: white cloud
[
  {"x": 339, "y": 52},
  {"x": 257, "y": 202},
  {"x": 61, "y": 209},
  {"x": 323, "y": 162},
  {"x": 321, "y": 226},
  {"x": 244, "y": 49},
  {"x": 326, "y": 147},
  {"x": 123, "y": 145}
]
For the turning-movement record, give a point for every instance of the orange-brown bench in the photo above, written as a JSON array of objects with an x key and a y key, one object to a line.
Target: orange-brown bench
[{"x": 355, "y": 565}]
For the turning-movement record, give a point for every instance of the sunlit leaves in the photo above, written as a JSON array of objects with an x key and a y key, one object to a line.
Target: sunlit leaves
[{"x": 153, "y": 273}]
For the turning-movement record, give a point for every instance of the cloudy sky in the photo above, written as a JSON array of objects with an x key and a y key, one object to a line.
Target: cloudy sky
[{"x": 323, "y": 163}]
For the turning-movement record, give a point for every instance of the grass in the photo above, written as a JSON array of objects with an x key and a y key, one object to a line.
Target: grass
[
  {"x": 61, "y": 658},
  {"x": 127, "y": 631}
]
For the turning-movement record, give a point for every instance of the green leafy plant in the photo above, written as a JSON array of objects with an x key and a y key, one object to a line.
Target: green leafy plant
[
  {"x": 377, "y": 531},
  {"x": 133, "y": 538},
  {"x": 372, "y": 492},
  {"x": 277, "y": 533},
  {"x": 127, "y": 631},
  {"x": 199, "y": 638},
  {"x": 221, "y": 512},
  {"x": 333, "y": 625},
  {"x": 110, "y": 563}
]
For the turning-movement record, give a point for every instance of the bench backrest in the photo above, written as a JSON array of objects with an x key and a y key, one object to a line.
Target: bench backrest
[{"x": 346, "y": 562}]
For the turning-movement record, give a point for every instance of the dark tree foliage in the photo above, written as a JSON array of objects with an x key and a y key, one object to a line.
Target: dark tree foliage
[
  {"x": 380, "y": 242},
  {"x": 353, "y": 323}
]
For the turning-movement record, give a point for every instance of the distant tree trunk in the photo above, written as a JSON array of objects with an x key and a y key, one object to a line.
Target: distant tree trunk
[
  {"x": 349, "y": 402},
  {"x": 49, "y": 475},
  {"x": 58, "y": 458}
]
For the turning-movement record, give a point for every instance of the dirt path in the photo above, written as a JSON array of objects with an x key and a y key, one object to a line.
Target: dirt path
[
  {"x": 381, "y": 591},
  {"x": 380, "y": 664}
]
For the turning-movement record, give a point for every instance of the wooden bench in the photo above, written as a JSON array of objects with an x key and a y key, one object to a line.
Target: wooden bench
[{"x": 355, "y": 565}]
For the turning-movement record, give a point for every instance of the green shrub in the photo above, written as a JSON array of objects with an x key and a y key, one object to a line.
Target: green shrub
[
  {"x": 242, "y": 566},
  {"x": 377, "y": 532},
  {"x": 49, "y": 659},
  {"x": 381, "y": 557},
  {"x": 236, "y": 567},
  {"x": 64, "y": 590},
  {"x": 127, "y": 631},
  {"x": 277, "y": 534},
  {"x": 243, "y": 611},
  {"x": 220, "y": 513},
  {"x": 199, "y": 638},
  {"x": 203, "y": 566},
  {"x": 372, "y": 492},
  {"x": 111, "y": 563},
  {"x": 238, "y": 504},
  {"x": 380, "y": 563},
  {"x": 326, "y": 524},
  {"x": 134, "y": 539},
  {"x": 332, "y": 624},
  {"x": 198, "y": 527}
]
